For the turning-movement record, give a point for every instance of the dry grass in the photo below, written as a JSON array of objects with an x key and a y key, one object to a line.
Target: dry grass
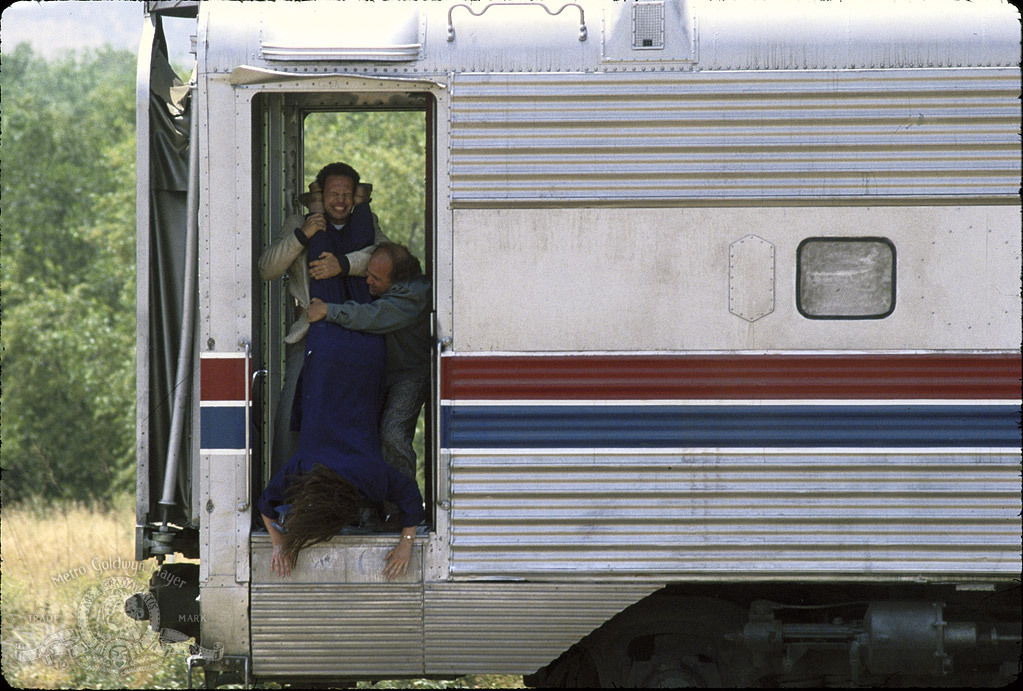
[
  {"x": 66, "y": 571},
  {"x": 54, "y": 540}
]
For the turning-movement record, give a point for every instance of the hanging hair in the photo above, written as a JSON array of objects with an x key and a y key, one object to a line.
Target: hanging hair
[{"x": 322, "y": 503}]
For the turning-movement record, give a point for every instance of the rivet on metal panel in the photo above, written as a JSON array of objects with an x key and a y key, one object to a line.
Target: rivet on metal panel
[{"x": 751, "y": 278}]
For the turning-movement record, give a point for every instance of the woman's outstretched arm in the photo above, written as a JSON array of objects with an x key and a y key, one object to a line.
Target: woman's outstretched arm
[
  {"x": 280, "y": 563},
  {"x": 398, "y": 558}
]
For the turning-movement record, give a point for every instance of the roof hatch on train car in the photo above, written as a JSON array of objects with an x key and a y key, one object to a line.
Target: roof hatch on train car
[
  {"x": 313, "y": 32},
  {"x": 648, "y": 31}
]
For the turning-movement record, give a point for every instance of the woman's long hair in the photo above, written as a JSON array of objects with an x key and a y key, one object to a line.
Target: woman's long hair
[{"x": 322, "y": 503}]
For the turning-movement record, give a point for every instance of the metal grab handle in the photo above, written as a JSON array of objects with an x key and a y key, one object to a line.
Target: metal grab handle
[
  {"x": 582, "y": 16},
  {"x": 244, "y": 505},
  {"x": 257, "y": 420},
  {"x": 441, "y": 474}
]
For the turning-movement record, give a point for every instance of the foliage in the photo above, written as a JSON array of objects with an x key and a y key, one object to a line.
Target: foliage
[{"x": 68, "y": 259}]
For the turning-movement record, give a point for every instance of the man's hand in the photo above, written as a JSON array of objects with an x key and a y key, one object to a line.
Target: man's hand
[
  {"x": 281, "y": 563},
  {"x": 325, "y": 266},
  {"x": 317, "y": 310},
  {"x": 398, "y": 558},
  {"x": 314, "y": 223}
]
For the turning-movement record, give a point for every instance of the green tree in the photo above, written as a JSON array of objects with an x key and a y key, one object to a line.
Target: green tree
[{"x": 67, "y": 217}]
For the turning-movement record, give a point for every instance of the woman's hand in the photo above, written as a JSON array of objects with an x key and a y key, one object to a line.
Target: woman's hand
[
  {"x": 398, "y": 558},
  {"x": 281, "y": 563}
]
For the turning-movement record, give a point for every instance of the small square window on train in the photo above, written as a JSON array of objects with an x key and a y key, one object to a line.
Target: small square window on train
[{"x": 845, "y": 278}]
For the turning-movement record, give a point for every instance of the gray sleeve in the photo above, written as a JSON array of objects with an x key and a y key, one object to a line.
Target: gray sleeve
[{"x": 392, "y": 311}]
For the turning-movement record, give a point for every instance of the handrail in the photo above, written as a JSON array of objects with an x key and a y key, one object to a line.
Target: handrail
[
  {"x": 244, "y": 505},
  {"x": 442, "y": 491},
  {"x": 582, "y": 16}
]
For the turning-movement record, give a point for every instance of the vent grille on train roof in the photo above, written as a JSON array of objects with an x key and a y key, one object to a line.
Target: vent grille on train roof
[{"x": 648, "y": 25}]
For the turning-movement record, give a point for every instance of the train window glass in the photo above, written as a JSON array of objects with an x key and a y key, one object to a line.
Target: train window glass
[{"x": 845, "y": 278}]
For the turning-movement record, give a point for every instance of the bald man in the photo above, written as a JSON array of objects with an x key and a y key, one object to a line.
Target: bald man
[{"x": 400, "y": 311}]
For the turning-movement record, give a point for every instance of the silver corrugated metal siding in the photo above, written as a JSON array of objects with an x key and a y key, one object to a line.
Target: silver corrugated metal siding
[
  {"x": 810, "y": 34},
  {"x": 665, "y": 515},
  {"x": 514, "y": 628},
  {"x": 337, "y": 630},
  {"x": 736, "y": 137},
  {"x": 349, "y": 630}
]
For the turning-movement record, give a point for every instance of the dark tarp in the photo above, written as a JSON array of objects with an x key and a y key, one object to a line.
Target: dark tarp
[{"x": 169, "y": 115}]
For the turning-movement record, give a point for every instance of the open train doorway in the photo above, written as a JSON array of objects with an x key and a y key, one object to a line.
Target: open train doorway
[
  {"x": 388, "y": 149},
  {"x": 386, "y": 138}
]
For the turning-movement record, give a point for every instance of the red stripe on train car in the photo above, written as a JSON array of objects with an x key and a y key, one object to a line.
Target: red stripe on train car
[
  {"x": 682, "y": 377},
  {"x": 222, "y": 379}
]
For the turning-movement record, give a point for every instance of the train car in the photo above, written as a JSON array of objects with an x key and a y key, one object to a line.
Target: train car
[{"x": 726, "y": 305}]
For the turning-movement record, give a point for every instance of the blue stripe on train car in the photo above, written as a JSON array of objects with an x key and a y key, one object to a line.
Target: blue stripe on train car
[
  {"x": 222, "y": 427},
  {"x": 655, "y": 426}
]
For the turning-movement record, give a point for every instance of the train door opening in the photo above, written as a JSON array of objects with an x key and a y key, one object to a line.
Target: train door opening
[{"x": 388, "y": 138}]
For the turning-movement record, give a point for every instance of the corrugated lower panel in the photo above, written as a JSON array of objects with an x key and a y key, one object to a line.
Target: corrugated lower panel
[
  {"x": 759, "y": 135},
  {"x": 336, "y": 631},
  {"x": 605, "y": 514},
  {"x": 514, "y": 628}
]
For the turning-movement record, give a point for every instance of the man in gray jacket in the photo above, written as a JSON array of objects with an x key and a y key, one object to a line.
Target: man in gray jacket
[
  {"x": 401, "y": 311},
  {"x": 287, "y": 255}
]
